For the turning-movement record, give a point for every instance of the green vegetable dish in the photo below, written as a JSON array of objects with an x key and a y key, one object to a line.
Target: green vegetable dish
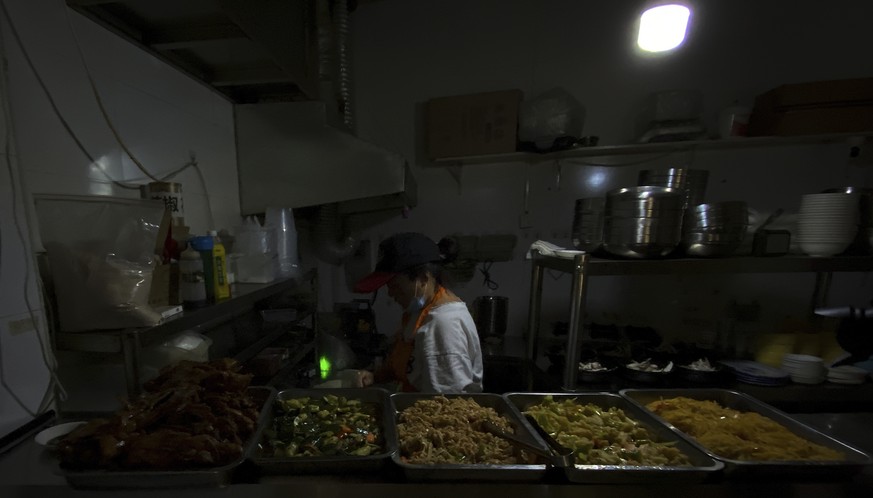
[
  {"x": 327, "y": 426},
  {"x": 601, "y": 436}
]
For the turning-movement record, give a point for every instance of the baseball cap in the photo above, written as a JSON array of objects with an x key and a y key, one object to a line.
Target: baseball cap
[{"x": 398, "y": 253}]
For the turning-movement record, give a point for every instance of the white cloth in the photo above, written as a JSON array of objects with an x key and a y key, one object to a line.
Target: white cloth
[
  {"x": 447, "y": 357},
  {"x": 544, "y": 248}
]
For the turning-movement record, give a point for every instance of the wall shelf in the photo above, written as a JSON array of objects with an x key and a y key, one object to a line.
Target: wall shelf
[{"x": 656, "y": 148}]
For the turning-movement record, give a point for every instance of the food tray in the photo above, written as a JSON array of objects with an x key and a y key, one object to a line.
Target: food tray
[
  {"x": 703, "y": 467},
  {"x": 468, "y": 472},
  {"x": 200, "y": 477},
  {"x": 855, "y": 459},
  {"x": 341, "y": 464}
]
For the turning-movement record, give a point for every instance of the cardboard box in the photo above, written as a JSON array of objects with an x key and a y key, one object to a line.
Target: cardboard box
[
  {"x": 839, "y": 106},
  {"x": 465, "y": 125}
]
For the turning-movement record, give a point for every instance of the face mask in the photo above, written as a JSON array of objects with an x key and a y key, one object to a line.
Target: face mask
[{"x": 416, "y": 304}]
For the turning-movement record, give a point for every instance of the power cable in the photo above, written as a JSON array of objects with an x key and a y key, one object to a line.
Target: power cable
[{"x": 485, "y": 270}]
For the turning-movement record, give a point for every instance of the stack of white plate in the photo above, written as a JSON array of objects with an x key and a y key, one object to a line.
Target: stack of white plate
[
  {"x": 827, "y": 223},
  {"x": 847, "y": 374},
  {"x": 752, "y": 372},
  {"x": 804, "y": 368}
]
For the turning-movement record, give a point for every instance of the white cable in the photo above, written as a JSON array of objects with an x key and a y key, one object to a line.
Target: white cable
[
  {"x": 47, "y": 355},
  {"x": 206, "y": 194}
]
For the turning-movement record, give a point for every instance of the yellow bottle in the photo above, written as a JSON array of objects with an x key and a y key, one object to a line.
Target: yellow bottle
[{"x": 219, "y": 268}]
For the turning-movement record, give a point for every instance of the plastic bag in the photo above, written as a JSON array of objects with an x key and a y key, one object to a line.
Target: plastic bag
[
  {"x": 101, "y": 252},
  {"x": 552, "y": 120}
]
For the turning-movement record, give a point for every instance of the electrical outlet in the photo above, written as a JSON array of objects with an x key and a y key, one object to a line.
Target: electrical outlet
[
  {"x": 524, "y": 220},
  {"x": 21, "y": 326}
]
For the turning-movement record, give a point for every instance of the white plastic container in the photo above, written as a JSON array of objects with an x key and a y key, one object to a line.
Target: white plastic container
[
  {"x": 184, "y": 346},
  {"x": 192, "y": 282}
]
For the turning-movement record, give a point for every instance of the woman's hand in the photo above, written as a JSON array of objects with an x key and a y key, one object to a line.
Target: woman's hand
[
  {"x": 356, "y": 378},
  {"x": 366, "y": 378}
]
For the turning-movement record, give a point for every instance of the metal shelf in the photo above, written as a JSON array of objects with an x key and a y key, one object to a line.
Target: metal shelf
[
  {"x": 653, "y": 148},
  {"x": 780, "y": 264},
  {"x": 111, "y": 341},
  {"x": 130, "y": 342},
  {"x": 582, "y": 266}
]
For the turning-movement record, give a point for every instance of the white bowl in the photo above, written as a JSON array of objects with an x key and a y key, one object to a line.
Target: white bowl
[
  {"x": 46, "y": 436},
  {"x": 823, "y": 249}
]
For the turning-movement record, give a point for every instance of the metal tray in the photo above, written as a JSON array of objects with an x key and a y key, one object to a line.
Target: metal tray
[
  {"x": 270, "y": 465},
  {"x": 854, "y": 462},
  {"x": 200, "y": 477},
  {"x": 469, "y": 472},
  {"x": 703, "y": 467}
]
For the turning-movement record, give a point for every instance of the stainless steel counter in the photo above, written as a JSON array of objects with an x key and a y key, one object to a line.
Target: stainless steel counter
[{"x": 26, "y": 470}]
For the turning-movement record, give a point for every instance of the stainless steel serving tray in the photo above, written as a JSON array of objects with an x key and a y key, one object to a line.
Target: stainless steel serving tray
[
  {"x": 340, "y": 464},
  {"x": 469, "y": 472},
  {"x": 186, "y": 478},
  {"x": 855, "y": 460},
  {"x": 703, "y": 467}
]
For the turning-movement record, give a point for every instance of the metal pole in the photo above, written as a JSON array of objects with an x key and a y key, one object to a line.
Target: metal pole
[
  {"x": 821, "y": 291},
  {"x": 577, "y": 316},
  {"x": 130, "y": 348},
  {"x": 533, "y": 310}
]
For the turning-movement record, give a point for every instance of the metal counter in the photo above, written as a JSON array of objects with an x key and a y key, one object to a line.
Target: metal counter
[{"x": 24, "y": 471}]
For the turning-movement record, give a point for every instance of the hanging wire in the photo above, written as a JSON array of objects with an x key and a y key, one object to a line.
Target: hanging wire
[
  {"x": 52, "y": 102},
  {"x": 100, "y": 105},
  {"x": 485, "y": 270}
]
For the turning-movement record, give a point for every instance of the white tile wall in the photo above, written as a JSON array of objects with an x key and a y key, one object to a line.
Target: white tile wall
[
  {"x": 23, "y": 372},
  {"x": 162, "y": 115}
]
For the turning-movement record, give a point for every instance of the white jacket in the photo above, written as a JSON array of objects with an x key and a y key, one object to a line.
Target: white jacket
[{"x": 447, "y": 357}]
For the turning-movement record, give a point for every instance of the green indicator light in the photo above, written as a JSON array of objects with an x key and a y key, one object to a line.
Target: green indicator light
[{"x": 324, "y": 367}]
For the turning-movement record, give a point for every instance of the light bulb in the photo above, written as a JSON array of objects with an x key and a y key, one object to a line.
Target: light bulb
[{"x": 663, "y": 27}]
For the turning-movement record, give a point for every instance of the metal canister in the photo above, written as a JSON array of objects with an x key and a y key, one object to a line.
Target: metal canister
[{"x": 491, "y": 316}]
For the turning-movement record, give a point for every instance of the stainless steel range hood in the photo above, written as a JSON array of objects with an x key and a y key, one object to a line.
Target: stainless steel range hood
[{"x": 290, "y": 156}]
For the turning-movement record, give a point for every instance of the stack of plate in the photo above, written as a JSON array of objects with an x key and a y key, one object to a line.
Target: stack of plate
[
  {"x": 804, "y": 368},
  {"x": 752, "y": 372},
  {"x": 847, "y": 374},
  {"x": 827, "y": 223}
]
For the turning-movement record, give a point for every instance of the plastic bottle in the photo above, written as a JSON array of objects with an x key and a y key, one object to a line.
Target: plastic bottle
[
  {"x": 192, "y": 286},
  {"x": 219, "y": 268},
  {"x": 203, "y": 245}
]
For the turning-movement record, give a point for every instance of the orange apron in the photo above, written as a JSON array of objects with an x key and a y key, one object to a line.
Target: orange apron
[{"x": 396, "y": 365}]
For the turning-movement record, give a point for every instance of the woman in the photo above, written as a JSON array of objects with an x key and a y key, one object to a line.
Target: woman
[{"x": 437, "y": 347}]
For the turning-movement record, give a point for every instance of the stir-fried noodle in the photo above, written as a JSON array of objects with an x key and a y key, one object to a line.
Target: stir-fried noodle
[
  {"x": 449, "y": 430},
  {"x": 738, "y": 435}
]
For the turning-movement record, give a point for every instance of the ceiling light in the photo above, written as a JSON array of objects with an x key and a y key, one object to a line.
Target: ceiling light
[{"x": 663, "y": 27}]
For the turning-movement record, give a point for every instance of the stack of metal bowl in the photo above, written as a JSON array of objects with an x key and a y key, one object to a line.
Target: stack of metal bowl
[
  {"x": 691, "y": 182},
  {"x": 715, "y": 229},
  {"x": 587, "y": 231},
  {"x": 642, "y": 222}
]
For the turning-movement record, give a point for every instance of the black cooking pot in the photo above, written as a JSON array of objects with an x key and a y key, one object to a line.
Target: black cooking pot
[{"x": 855, "y": 334}]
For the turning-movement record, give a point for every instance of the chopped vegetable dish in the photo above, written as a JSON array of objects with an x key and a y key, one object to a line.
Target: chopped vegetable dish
[{"x": 328, "y": 426}]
